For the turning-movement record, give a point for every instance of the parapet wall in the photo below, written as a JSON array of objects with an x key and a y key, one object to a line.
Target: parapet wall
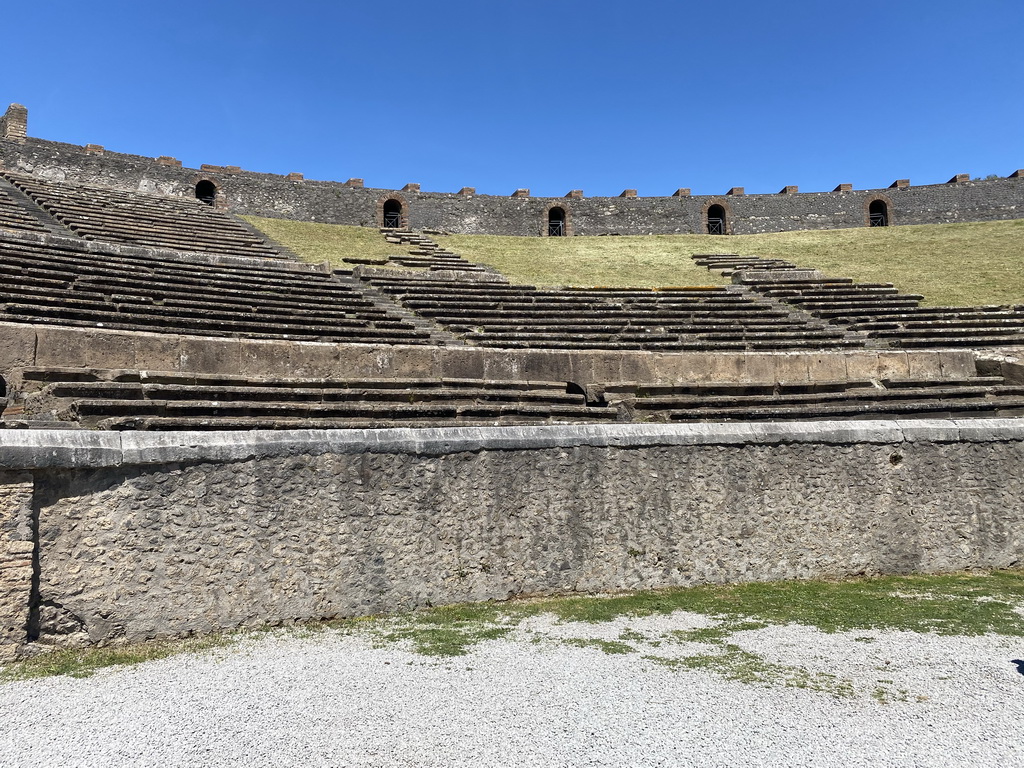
[
  {"x": 293, "y": 197},
  {"x": 141, "y": 535}
]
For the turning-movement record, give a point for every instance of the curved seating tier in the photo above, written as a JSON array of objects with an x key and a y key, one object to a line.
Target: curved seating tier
[
  {"x": 121, "y": 399},
  {"x": 13, "y": 217},
  {"x": 58, "y": 281},
  {"x": 880, "y": 312},
  {"x": 97, "y": 213},
  {"x": 668, "y": 319},
  {"x": 975, "y": 397},
  {"x": 147, "y": 400}
]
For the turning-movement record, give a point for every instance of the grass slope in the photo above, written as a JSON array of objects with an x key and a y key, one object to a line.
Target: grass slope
[
  {"x": 317, "y": 243},
  {"x": 976, "y": 263}
]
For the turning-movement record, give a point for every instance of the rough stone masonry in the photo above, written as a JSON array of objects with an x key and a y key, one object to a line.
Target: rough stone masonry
[
  {"x": 294, "y": 197},
  {"x": 141, "y": 535}
]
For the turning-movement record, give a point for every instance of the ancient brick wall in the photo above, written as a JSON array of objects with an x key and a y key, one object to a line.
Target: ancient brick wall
[
  {"x": 292, "y": 197},
  {"x": 152, "y": 535}
]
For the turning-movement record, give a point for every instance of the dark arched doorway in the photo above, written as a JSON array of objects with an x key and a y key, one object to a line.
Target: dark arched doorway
[
  {"x": 556, "y": 222},
  {"x": 878, "y": 214},
  {"x": 392, "y": 214},
  {"x": 206, "y": 192},
  {"x": 716, "y": 220}
]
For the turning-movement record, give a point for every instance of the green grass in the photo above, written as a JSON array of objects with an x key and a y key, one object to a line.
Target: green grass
[
  {"x": 317, "y": 243},
  {"x": 613, "y": 647},
  {"x": 976, "y": 263},
  {"x": 959, "y": 604},
  {"x": 653, "y": 260},
  {"x": 733, "y": 663},
  {"x": 83, "y": 662}
]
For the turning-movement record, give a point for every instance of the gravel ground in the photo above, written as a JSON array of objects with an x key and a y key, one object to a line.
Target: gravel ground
[{"x": 543, "y": 696}]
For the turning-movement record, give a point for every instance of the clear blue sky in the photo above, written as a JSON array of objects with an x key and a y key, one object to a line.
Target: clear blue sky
[{"x": 552, "y": 96}]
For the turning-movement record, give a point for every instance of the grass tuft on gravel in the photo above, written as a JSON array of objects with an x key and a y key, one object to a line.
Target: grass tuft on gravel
[
  {"x": 965, "y": 604},
  {"x": 735, "y": 663},
  {"x": 84, "y": 662}
]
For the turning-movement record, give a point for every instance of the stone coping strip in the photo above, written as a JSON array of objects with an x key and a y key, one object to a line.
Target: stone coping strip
[{"x": 70, "y": 449}]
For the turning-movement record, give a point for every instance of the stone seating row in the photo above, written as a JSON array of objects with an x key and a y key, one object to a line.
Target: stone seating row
[
  {"x": 97, "y": 213},
  {"x": 727, "y": 264},
  {"x": 38, "y": 275},
  {"x": 450, "y": 288},
  {"x": 982, "y": 397},
  {"x": 133, "y": 399},
  {"x": 125, "y": 399},
  {"x": 103, "y": 201},
  {"x": 880, "y": 312},
  {"x": 524, "y": 316},
  {"x": 165, "y": 279},
  {"x": 13, "y": 217},
  {"x": 55, "y": 283}
]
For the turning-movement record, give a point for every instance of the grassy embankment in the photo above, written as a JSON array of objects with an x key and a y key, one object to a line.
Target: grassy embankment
[{"x": 977, "y": 263}]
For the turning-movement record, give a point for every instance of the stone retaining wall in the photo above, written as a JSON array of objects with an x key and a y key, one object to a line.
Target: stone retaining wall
[{"x": 149, "y": 535}]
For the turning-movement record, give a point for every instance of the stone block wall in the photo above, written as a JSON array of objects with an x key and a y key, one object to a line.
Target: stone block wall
[
  {"x": 143, "y": 535},
  {"x": 294, "y": 197}
]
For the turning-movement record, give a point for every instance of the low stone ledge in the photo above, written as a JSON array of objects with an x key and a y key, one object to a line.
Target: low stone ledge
[
  {"x": 58, "y": 448},
  {"x": 40, "y": 449}
]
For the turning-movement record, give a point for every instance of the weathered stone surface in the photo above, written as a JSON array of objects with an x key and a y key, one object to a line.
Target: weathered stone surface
[
  {"x": 84, "y": 347},
  {"x": 229, "y": 529},
  {"x": 16, "y": 549},
  {"x": 17, "y": 349},
  {"x": 263, "y": 194}
]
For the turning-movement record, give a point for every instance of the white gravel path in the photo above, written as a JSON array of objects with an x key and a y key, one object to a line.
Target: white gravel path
[{"x": 532, "y": 699}]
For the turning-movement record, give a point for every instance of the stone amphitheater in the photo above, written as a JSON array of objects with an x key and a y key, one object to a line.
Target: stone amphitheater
[{"x": 201, "y": 432}]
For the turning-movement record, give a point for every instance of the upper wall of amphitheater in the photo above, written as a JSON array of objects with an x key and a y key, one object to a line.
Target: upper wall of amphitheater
[{"x": 293, "y": 197}]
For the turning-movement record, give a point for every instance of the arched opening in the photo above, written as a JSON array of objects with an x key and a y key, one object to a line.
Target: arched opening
[
  {"x": 556, "y": 222},
  {"x": 716, "y": 220},
  {"x": 206, "y": 192},
  {"x": 392, "y": 214},
  {"x": 878, "y": 214}
]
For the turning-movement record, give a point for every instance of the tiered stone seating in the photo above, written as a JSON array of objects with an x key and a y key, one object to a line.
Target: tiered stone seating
[
  {"x": 96, "y": 213},
  {"x": 422, "y": 253},
  {"x": 878, "y": 311},
  {"x": 13, "y": 217},
  {"x": 57, "y": 281},
  {"x": 981, "y": 396},
  {"x": 727, "y": 264},
  {"x": 146, "y": 400},
  {"x": 706, "y": 318},
  {"x": 122, "y": 399},
  {"x": 939, "y": 326}
]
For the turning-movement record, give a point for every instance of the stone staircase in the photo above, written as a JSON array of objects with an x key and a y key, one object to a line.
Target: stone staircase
[
  {"x": 422, "y": 253},
  {"x": 18, "y": 211}
]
